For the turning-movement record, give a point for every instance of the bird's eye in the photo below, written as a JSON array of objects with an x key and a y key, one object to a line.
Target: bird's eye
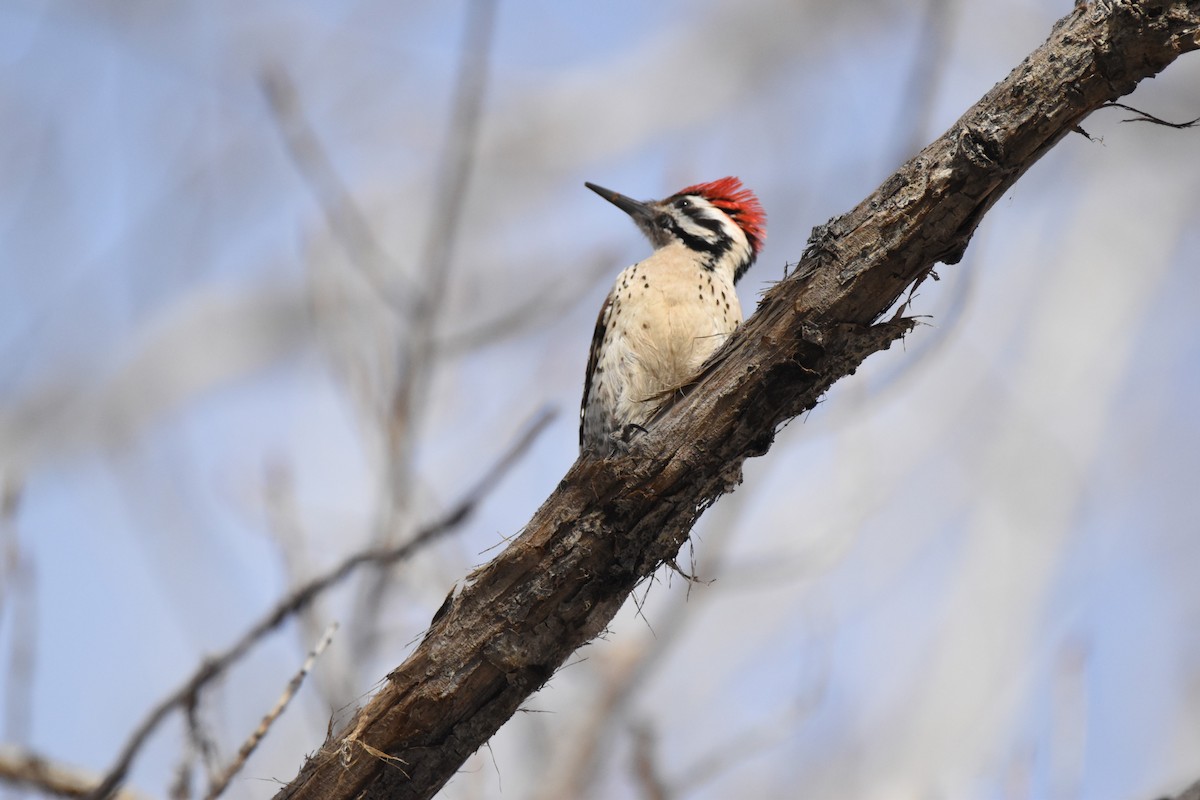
[{"x": 683, "y": 202}]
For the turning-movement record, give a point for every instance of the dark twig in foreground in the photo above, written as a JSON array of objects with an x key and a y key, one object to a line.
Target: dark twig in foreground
[
  {"x": 1142, "y": 116},
  {"x": 305, "y": 594}
]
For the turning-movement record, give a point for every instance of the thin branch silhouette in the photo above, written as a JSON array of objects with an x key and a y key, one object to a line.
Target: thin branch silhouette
[
  {"x": 349, "y": 224},
  {"x": 222, "y": 781},
  {"x": 1142, "y": 116},
  {"x": 300, "y": 597},
  {"x": 418, "y": 351}
]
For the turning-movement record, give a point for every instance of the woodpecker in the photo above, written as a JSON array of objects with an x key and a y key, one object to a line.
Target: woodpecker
[{"x": 667, "y": 314}]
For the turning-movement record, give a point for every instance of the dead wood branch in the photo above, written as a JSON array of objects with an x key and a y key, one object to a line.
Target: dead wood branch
[{"x": 611, "y": 523}]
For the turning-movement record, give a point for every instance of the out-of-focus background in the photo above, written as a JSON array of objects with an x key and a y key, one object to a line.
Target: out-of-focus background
[{"x": 281, "y": 280}]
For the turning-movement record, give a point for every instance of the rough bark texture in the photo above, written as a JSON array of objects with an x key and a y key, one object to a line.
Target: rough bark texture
[{"x": 611, "y": 523}]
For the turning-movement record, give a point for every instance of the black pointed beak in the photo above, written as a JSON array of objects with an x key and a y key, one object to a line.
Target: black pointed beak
[{"x": 641, "y": 212}]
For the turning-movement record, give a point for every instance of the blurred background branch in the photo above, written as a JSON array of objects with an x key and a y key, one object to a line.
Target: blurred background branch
[
  {"x": 20, "y": 768},
  {"x": 417, "y": 364},
  {"x": 299, "y": 598}
]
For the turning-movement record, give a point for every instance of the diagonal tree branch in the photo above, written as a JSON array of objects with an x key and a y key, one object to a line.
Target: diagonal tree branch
[{"x": 611, "y": 523}]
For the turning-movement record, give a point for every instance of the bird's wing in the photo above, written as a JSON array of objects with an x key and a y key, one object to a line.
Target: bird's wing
[{"x": 593, "y": 358}]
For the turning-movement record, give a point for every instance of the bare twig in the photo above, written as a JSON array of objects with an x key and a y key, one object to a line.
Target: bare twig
[
  {"x": 417, "y": 356},
  {"x": 346, "y": 220},
  {"x": 924, "y": 78},
  {"x": 549, "y": 303},
  {"x": 20, "y": 767},
  {"x": 10, "y": 498},
  {"x": 645, "y": 767},
  {"x": 458, "y": 159},
  {"x": 333, "y": 684},
  {"x": 743, "y": 745},
  {"x": 300, "y": 597},
  {"x": 181, "y": 783},
  {"x": 1142, "y": 116},
  {"x": 17, "y": 589},
  {"x": 201, "y": 743},
  {"x": 222, "y": 781}
]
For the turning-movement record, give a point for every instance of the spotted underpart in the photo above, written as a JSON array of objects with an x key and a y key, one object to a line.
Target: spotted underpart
[{"x": 666, "y": 315}]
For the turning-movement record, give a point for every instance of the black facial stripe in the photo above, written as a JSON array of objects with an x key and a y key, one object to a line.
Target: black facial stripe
[
  {"x": 734, "y": 214},
  {"x": 714, "y": 251},
  {"x": 711, "y": 224},
  {"x": 696, "y": 215},
  {"x": 692, "y": 242}
]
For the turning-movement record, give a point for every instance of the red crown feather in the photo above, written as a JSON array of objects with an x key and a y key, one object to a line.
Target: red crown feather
[{"x": 739, "y": 203}]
